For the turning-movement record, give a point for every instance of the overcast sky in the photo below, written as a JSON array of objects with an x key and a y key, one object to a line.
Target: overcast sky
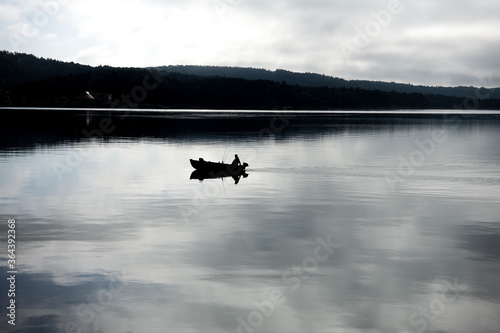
[{"x": 431, "y": 42}]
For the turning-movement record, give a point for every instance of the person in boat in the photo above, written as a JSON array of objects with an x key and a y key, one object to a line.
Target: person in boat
[{"x": 236, "y": 162}]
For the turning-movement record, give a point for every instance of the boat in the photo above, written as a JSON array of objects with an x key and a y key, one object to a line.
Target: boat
[{"x": 218, "y": 169}]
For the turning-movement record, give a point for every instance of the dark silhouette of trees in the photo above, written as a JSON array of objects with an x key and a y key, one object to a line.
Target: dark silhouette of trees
[{"x": 27, "y": 80}]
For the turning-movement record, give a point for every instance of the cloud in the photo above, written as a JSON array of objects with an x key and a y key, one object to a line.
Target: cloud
[
  {"x": 8, "y": 13},
  {"x": 95, "y": 55},
  {"x": 425, "y": 42}
]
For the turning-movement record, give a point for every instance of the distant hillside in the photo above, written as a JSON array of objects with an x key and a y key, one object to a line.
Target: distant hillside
[
  {"x": 184, "y": 91},
  {"x": 26, "y": 80},
  {"x": 320, "y": 80},
  {"x": 20, "y": 67}
]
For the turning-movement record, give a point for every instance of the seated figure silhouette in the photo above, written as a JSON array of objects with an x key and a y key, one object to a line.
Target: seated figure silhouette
[{"x": 236, "y": 162}]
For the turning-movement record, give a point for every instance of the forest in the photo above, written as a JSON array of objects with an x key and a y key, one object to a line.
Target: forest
[{"x": 26, "y": 80}]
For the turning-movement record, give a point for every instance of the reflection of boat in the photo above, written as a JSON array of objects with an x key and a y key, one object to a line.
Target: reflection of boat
[
  {"x": 213, "y": 170},
  {"x": 202, "y": 175}
]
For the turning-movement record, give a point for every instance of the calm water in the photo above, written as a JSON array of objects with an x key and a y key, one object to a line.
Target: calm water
[{"x": 346, "y": 223}]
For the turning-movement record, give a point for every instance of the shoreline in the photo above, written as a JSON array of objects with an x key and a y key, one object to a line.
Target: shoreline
[{"x": 136, "y": 111}]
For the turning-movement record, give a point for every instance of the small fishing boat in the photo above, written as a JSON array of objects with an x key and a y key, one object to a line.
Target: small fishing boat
[{"x": 218, "y": 169}]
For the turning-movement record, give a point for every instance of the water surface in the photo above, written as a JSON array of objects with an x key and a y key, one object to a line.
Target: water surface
[{"x": 346, "y": 223}]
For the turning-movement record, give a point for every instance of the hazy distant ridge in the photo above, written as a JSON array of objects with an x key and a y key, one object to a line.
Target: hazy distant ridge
[{"x": 320, "y": 80}]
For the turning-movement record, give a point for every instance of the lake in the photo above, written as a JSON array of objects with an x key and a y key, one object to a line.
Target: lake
[{"x": 347, "y": 221}]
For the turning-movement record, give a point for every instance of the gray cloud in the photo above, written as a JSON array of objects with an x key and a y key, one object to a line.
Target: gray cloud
[{"x": 425, "y": 42}]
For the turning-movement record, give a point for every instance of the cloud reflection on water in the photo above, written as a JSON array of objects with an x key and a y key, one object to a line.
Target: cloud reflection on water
[{"x": 119, "y": 210}]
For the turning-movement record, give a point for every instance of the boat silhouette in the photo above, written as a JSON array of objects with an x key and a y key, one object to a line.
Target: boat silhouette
[{"x": 212, "y": 170}]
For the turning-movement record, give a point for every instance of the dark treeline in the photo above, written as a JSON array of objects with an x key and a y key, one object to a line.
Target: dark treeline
[
  {"x": 320, "y": 80},
  {"x": 55, "y": 83},
  {"x": 19, "y": 67}
]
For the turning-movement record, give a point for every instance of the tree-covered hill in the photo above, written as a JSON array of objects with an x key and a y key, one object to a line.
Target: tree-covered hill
[
  {"x": 320, "y": 80},
  {"x": 30, "y": 81},
  {"x": 19, "y": 67},
  {"x": 176, "y": 90}
]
